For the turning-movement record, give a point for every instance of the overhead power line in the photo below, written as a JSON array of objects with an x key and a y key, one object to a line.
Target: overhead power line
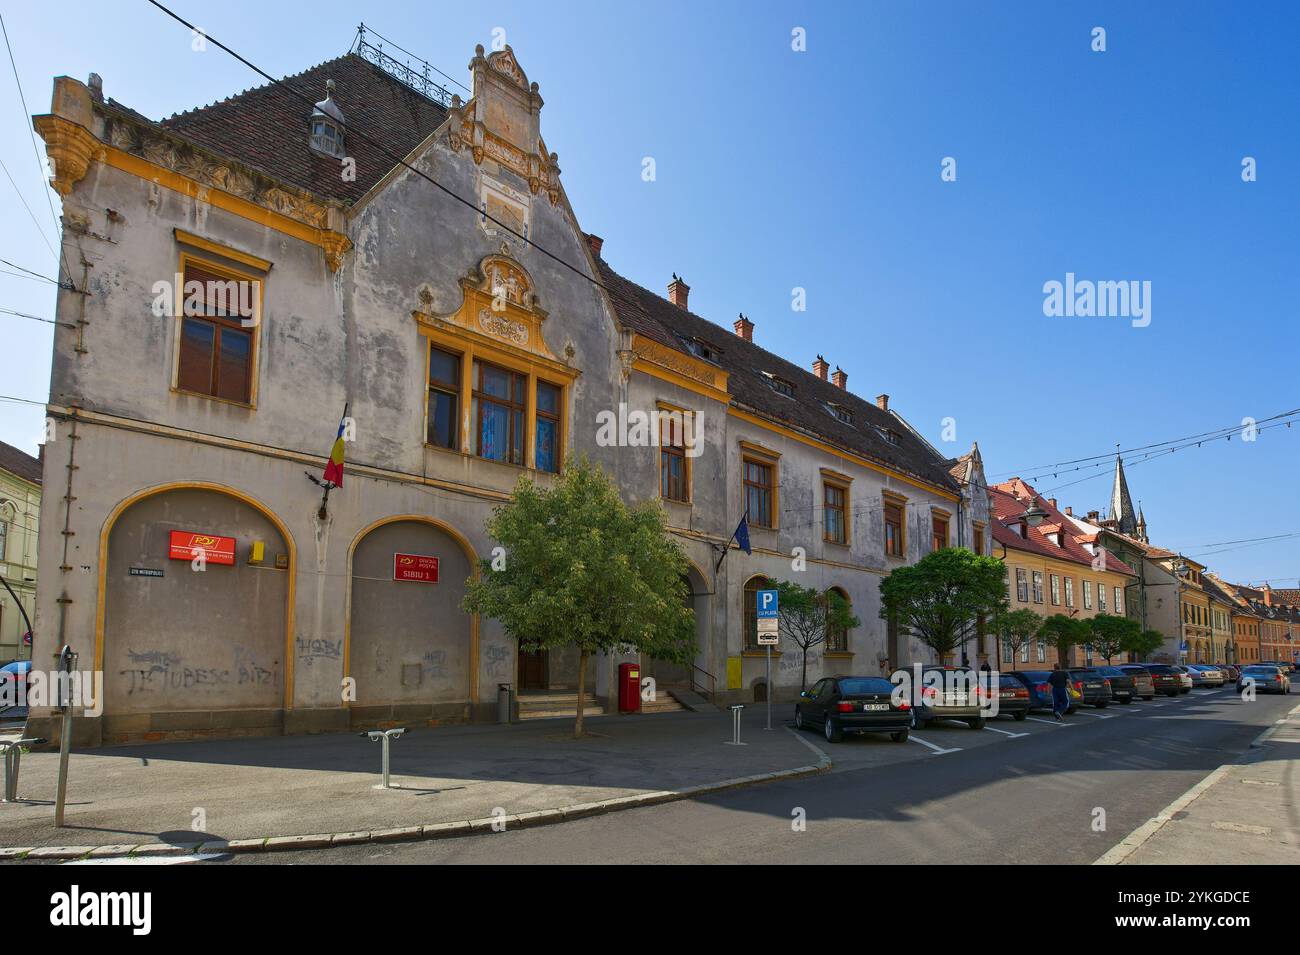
[{"x": 36, "y": 151}]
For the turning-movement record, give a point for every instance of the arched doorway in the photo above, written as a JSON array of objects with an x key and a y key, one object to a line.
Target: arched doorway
[
  {"x": 196, "y": 616},
  {"x": 410, "y": 646},
  {"x": 667, "y": 674}
]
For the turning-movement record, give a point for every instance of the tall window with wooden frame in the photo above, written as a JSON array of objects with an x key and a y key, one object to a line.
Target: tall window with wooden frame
[
  {"x": 497, "y": 408},
  {"x": 752, "y": 587},
  {"x": 977, "y": 538},
  {"x": 1056, "y": 590},
  {"x": 546, "y": 428},
  {"x": 219, "y": 315},
  {"x": 834, "y": 513},
  {"x": 1038, "y": 586},
  {"x": 759, "y": 484},
  {"x": 837, "y": 638},
  {"x": 938, "y": 531},
  {"x": 1022, "y": 585},
  {"x": 1069, "y": 591},
  {"x": 674, "y": 466},
  {"x": 895, "y": 543},
  {"x": 443, "y": 429}
]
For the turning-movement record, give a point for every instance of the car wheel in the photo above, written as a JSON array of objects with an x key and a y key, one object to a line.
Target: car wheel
[
  {"x": 1020, "y": 717},
  {"x": 1126, "y": 701},
  {"x": 899, "y": 737},
  {"x": 976, "y": 722},
  {"x": 798, "y": 718},
  {"x": 917, "y": 722},
  {"x": 1102, "y": 705},
  {"x": 1149, "y": 698},
  {"x": 833, "y": 732}
]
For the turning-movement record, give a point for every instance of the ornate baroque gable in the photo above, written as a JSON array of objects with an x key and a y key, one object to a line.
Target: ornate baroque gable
[{"x": 501, "y": 122}]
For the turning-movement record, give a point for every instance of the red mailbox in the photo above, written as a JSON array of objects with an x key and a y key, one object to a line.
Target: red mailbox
[{"x": 629, "y": 688}]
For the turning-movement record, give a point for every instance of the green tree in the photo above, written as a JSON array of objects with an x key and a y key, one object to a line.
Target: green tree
[
  {"x": 1015, "y": 629},
  {"x": 584, "y": 570},
  {"x": 943, "y": 594},
  {"x": 1144, "y": 643},
  {"x": 1064, "y": 632},
  {"x": 1111, "y": 635},
  {"x": 807, "y": 617}
]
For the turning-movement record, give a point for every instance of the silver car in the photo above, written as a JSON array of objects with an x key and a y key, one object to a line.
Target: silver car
[
  {"x": 1266, "y": 679},
  {"x": 1205, "y": 675}
]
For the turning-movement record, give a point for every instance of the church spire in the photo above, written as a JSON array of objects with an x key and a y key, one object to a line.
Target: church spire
[{"x": 1121, "y": 504}]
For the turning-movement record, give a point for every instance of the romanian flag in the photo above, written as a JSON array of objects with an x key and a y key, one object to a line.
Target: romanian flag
[{"x": 334, "y": 469}]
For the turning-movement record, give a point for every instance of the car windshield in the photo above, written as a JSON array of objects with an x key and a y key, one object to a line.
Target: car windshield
[
  {"x": 866, "y": 684},
  {"x": 1261, "y": 671},
  {"x": 1111, "y": 671},
  {"x": 1006, "y": 680},
  {"x": 1161, "y": 668}
]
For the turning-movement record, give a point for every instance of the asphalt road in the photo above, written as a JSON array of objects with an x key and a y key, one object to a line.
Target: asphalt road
[{"x": 1017, "y": 792}]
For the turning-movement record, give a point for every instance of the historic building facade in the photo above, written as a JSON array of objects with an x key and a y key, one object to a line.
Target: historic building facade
[
  {"x": 20, "y": 516},
  {"x": 244, "y": 272},
  {"x": 1052, "y": 569}
]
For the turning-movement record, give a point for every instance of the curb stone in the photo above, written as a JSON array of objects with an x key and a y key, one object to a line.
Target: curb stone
[{"x": 441, "y": 830}]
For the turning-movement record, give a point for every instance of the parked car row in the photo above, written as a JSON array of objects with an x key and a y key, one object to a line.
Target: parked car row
[{"x": 868, "y": 704}]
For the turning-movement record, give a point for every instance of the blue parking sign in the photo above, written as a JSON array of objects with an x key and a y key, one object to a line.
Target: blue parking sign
[{"x": 766, "y": 604}]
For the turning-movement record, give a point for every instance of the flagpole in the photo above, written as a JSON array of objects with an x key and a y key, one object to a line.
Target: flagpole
[{"x": 726, "y": 549}]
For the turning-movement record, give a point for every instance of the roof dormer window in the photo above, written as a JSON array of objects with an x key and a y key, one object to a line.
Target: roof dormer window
[
  {"x": 840, "y": 412},
  {"x": 327, "y": 125},
  {"x": 779, "y": 385}
]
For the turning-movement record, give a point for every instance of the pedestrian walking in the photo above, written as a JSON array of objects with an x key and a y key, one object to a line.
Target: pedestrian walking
[{"x": 1060, "y": 682}]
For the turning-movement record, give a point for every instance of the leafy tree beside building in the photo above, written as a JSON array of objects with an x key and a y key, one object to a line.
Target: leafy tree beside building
[{"x": 584, "y": 570}]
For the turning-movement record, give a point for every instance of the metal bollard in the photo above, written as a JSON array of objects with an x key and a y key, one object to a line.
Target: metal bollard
[
  {"x": 385, "y": 737},
  {"x": 13, "y": 750},
  {"x": 503, "y": 702},
  {"x": 735, "y": 724}
]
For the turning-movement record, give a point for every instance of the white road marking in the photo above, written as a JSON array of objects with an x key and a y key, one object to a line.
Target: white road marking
[
  {"x": 939, "y": 750},
  {"x": 1038, "y": 719},
  {"x": 1005, "y": 732},
  {"x": 1100, "y": 716}
]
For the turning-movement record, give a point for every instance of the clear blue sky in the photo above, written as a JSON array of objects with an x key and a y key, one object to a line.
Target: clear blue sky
[{"x": 821, "y": 169}]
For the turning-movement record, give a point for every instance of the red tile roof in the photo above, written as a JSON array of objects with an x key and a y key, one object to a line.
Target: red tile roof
[{"x": 1012, "y": 498}]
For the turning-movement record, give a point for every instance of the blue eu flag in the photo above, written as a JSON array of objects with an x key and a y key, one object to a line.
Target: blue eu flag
[{"x": 742, "y": 534}]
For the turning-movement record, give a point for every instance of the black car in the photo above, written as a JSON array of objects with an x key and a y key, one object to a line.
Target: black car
[
  {"x": 1122, "y": 688},
  {"x": 853, "y": 704},
  {"x": 1040, "y": 689},
  {"x": 1013, "y": 697},
  {"x": 1093, "y": 685},
  {"x": 957, "y": 696}
]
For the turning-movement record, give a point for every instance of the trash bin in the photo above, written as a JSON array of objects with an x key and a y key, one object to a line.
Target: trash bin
[{"x": 503, "y": 702}]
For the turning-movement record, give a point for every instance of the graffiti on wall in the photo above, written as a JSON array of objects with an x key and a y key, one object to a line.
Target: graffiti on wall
[{"x": 156, "y": 671}]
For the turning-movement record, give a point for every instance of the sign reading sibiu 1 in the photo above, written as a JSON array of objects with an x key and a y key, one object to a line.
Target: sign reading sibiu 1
[{"x": 767, "y": 613}]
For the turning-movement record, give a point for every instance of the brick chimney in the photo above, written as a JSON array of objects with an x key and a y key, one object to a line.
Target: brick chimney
[
  {"x": 1069, "y": 511},
  {"x": 1268, "y": 594},
  {"x": 820, "y": 368},
  {"x": 840, "y": 378},
  {"x": 744, "y": 328},
  {"x": 1094, "y": 516},
  {"x": 678, "y": 291},
  {"x": 882, "y": 402},
  {"x": 595, "y": 242},
  {"x": 1052, "y": 501}
]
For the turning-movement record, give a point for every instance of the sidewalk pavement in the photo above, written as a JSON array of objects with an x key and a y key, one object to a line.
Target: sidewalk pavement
[
  {"x": 1243, "y": 813},
  {"x": 447, "y": 781}
]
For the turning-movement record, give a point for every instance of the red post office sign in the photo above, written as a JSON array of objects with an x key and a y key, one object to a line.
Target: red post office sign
[
  {"x": 415, "y": 567},
  {"x": 186, "y": 545}
]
